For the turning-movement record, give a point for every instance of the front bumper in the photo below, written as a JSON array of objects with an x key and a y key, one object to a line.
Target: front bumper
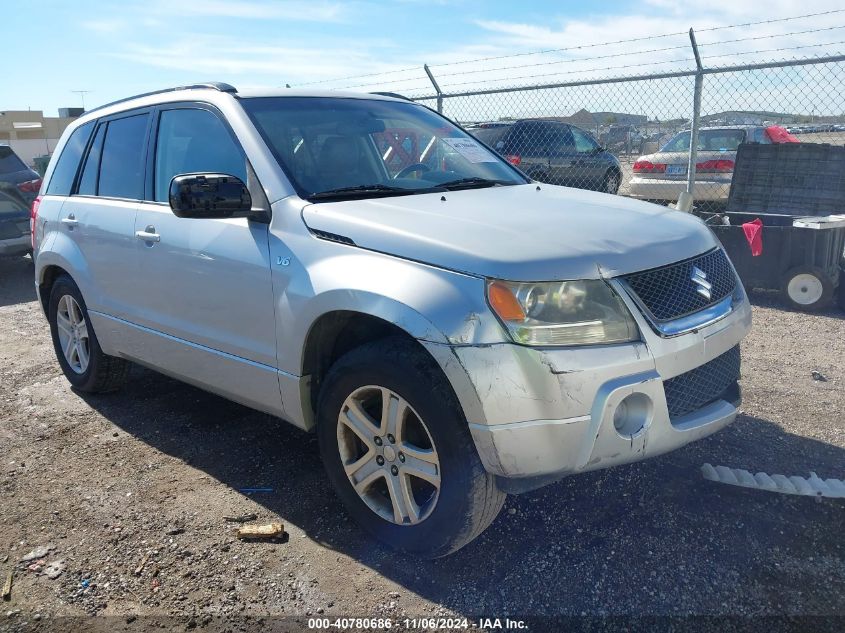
[
  {"x": 539, "y": 414},
  {"x": 659, "y": 189}
]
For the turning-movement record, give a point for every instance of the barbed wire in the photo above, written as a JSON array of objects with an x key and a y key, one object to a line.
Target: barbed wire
[
  {"x": 586, "y": 46},
  {"x": 772, "y": 36}
]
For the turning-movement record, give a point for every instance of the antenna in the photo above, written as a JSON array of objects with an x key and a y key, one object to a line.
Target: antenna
[{"x": 82, "y": 94}]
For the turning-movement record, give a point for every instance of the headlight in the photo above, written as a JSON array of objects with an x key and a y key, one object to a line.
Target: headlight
[{"x": 562, "y": 312}]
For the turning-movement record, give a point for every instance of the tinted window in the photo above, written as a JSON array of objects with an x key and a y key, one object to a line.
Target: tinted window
[
  {"x": 122, "y": 165},
  {"x": 560, "y": 139},
  {"x": 9, "y": 161},
  {"x": 531, "y": 139},
  {"x": 88, "y": 182},
  {"x": 65, "y": 171},
  {"x": 191, "y": 141},
  {"x": 491, "y": 135},
  {"x": 583, "y": 141}
]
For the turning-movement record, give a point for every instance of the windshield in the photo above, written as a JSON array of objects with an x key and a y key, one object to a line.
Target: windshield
[
  {"x": 708, "y": 140},
  {"x": 339, "y": 147}
]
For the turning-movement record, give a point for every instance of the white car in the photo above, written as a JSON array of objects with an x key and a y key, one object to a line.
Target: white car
[
  {"x": 452, "y": 331},
  {"x": 662, "y": 176}
]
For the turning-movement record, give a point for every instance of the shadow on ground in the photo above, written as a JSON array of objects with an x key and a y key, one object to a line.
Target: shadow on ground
[
  {"x": 650, "y": 538},
  {"x": 16, "y": 280}
]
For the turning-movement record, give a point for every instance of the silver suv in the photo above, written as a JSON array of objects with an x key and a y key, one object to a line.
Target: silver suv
[{"x": 362, "y": 267}]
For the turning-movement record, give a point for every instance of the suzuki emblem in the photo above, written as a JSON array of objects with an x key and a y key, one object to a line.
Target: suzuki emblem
[{"x": 699, "y": 278}]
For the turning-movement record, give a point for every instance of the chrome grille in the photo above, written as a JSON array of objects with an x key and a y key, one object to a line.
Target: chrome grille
[
  {"x": 671, "y": 292},
  {"x": 705, "y": 384}
]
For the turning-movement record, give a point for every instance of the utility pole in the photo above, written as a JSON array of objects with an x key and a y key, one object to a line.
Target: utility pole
[{"x": 82, "y": 94}]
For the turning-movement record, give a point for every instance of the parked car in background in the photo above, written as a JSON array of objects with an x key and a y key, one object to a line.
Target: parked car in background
[
  {"x": 14, "y": 222},
  {"x": 554, "y": 152},
  {"x": 663, "y": 175},
  {"x": 451, "y": 331},
  {"x": 19, "y": 186},
  {"x": 622, "y": 139},
  {"x": 14, "y": 171}
]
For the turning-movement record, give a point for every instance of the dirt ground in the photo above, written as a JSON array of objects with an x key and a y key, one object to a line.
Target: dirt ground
[{"x": 129, "y": 491}]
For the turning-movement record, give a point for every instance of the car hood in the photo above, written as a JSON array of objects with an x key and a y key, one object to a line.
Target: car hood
[{"x": 518, "y": 233}]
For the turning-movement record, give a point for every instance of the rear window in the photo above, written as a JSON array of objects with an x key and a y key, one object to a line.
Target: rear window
[
  {"x": 490, "y": 135},
  {"x": 122, "y": 163},
  {"x": 708, "y": 140},
  {"x": 9, "y": 162},
  {"x": 65, "y": 171}
]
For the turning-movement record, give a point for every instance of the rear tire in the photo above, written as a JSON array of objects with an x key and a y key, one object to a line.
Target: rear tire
[
  {"x": 79, "y": 354},
  {"x": 807, "y": 288},
  {"x": 434, "y": 519}
]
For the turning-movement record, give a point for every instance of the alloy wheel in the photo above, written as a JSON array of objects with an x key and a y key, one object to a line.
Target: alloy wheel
[
  {"x": 388, "y": 455},
  {"x": 73, "y": 334}
]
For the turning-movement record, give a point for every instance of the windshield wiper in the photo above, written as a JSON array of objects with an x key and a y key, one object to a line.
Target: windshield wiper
[
  {"x": 363, "y": 191},
  {"x": 473, "y": 182}
]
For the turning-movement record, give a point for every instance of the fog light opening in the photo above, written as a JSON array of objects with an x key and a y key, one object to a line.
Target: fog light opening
[{"x": 632, "y": 415}]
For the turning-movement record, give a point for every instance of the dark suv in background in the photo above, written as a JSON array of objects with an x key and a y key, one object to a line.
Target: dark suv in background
[
  {"x": 18, "y": 187},
  {"x": 553, "y": 152}
]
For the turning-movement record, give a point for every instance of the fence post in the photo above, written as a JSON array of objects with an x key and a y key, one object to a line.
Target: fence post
[
  {"x": 436, "y": 88},
  {"x": 696, "y": 120}
]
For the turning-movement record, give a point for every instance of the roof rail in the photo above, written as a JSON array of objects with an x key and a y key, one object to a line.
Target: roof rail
[
  {"x": 211, "y": 85},
  {"x": 395, "y": 95}
]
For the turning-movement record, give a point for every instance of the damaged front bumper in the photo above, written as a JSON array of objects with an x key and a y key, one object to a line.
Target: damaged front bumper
[{"x": 539, "y": 414}]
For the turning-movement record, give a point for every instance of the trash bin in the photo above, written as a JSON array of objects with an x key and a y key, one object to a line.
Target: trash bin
[
  {"x": 797, "y": 190},
  {"x": 41, "y": 163}
]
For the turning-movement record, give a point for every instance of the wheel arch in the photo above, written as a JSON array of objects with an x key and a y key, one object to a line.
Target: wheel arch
[{"x": 336, "y": 333}]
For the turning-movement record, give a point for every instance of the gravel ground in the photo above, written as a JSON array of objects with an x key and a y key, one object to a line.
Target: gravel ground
[{"x": 129, "y": 491}]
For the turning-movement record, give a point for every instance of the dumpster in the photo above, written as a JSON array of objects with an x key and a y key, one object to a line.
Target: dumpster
[{"x": 797, "y": 191}]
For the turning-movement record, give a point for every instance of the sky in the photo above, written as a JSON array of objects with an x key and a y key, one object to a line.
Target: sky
[{"x": 117, "y": 49}]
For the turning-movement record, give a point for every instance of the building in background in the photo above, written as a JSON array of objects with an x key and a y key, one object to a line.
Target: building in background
[{"x": 32, "y": 134}]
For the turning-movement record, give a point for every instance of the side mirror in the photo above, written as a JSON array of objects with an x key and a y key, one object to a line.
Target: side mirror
[{"x": 209, "y": 196}]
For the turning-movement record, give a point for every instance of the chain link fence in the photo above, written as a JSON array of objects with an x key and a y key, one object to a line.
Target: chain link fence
[
  {"x": 631, "y": 135},
  {"x": 571, "y": 116}
]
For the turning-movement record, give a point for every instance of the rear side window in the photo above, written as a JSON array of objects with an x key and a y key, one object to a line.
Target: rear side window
[
  {"x": 194, "y": 141},
  {"x": 88, "y": 182},
  {"x": 491, "y": 135},
  {"x": 65, "y": 171},
  {"x": 122, "y": 163}
]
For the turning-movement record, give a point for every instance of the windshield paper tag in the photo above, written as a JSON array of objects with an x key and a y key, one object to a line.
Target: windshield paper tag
[{"x": 470, "y": 150}]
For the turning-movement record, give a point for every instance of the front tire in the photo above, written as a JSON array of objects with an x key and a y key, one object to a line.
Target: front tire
[
  {"x": 397, "y": 450},
  {"x": 79, "y": 354}
]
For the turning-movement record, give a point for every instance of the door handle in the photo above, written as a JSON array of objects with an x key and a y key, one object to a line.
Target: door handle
[
  {"x": 148, "y": 235},
  {"x": 70, "y": 221}
]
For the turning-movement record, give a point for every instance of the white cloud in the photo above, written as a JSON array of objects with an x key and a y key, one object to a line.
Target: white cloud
[
  {"x": 317, "y": 11},
  {"x": 104, "y": 26}
]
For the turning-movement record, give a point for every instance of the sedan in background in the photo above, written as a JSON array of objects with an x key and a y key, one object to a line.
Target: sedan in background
[
  {"x": 663, "y": 175},
  {"x": 554, "y": 152}
]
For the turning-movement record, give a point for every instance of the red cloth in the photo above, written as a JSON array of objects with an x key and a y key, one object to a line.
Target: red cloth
[
  {"x": 754, "y": 234},
  {"x": 777, "y": 134}
]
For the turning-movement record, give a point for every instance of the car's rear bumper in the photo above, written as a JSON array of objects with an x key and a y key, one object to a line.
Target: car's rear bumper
[
  {"x": 16, "y": 245},
  {"x": 657, "y": 189}
]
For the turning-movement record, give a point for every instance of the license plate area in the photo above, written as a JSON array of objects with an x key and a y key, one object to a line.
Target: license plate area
[{"x": 676, "y": 170}]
